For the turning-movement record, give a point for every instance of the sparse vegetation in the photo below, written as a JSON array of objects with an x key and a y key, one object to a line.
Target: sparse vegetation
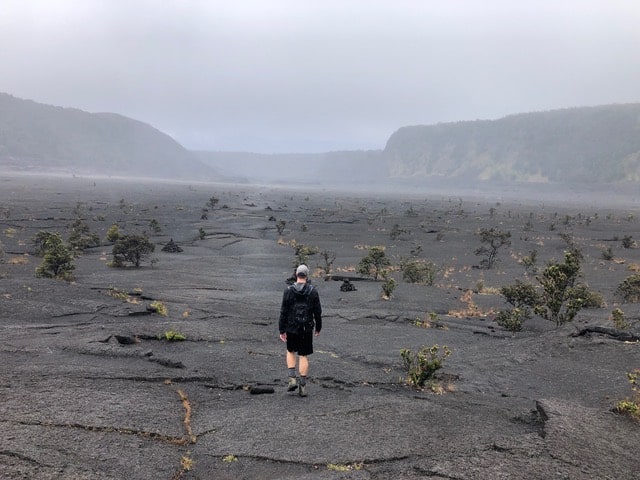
[
  {"x": 419, "y": 272},
  {"x": 132, "y": 249},
  {"x": 113, "y": 234},
  {"x": 388, "y": 286},
  {"x": 396, "y": 231},
  {"x": 617, "y": 317},
  {"x": 280, "y": 226},
  {"x": 57, "y": 259},
  {"x": 303, "y": 252},
  {"x": 173, "y": 336},
  {"x": 628, "y": 242},
  {"x": 374, "y": 263},
  {"x": 329, "y": 258},
  {"x": 81, "y": 237},
  {"x": 422, "y": 365},
  {"x": 629, "y": 289},
  {"x": 341, "y": 467},
  {"x": 562, "y": 297},
  {"x": 523, "y": 297},
  {"x": 607, "y": 254},
  {"x": 159, "y": 308},
  {"x": 155, "y": 226},
  {"x": 529, "y": 261},
  {"x": 212, "y": 202},
  {"x": 631, "y": 406},
  {"x": 492, "y": 240}
]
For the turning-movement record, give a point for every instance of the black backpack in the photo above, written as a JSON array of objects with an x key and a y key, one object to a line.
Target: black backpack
[{"x": 302, "y": 317}]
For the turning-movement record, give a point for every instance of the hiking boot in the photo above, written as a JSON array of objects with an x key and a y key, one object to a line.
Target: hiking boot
[
  {"x": 302, "y": 390},
  {"x": 293, "y": 384}
]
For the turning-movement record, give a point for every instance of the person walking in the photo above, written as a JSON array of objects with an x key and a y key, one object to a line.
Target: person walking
[{"x": 300, "y": 318}]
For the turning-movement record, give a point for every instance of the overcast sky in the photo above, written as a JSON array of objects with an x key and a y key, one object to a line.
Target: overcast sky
[{"x": 314, "y": 76}]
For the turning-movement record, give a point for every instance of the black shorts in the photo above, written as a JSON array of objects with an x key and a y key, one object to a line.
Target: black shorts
[{"x": 302, "y": 344}]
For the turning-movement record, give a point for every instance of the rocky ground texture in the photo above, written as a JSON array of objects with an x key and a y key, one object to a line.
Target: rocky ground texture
[{"x": 90, "y": 388}]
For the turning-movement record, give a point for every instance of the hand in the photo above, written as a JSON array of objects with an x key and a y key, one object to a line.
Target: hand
[
  {"x": 283, "y": 337},
  {"x": 317, "y": 333}
]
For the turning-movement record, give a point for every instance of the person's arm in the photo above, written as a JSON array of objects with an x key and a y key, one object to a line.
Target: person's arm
[
  {"x": 284, "y": 313},
  {"x": 317, "y": 312}
]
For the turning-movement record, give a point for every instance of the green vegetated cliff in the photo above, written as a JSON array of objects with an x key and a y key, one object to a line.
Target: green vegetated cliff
[
  {"x": 590, "y": 144},
  {"x": 38, "y": 137}
]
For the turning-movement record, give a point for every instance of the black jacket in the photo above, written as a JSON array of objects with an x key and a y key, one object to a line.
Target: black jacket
[{"x": 286, "y": 323}]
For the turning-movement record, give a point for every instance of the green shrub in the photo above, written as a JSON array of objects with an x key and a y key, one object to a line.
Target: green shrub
[
  {"x": 631, "y": 406},
  {"x": 419, "y": 272},
  {"x": 617, "y": 317},
  {"x": 40, "y": 241},
  {"x": 629, "y": 289},
  {"x": 303, "y": 252},
  {"x": 159, "y": 308},
  {"x": 396, "y": 231},
  {"x": 113, "y": 234},
  {"x": 562, "y": 297},
  {"x": 511, "y": 319},
  {"x": 173, "y": 336},
  {"x": 131, "y": 248},
  {"x": 57, "y": 261},
  {"x": 81, "y": 238},
  {"x": 422, "y": 366},
  {"x": 388, "y": 286},
  {"x": 374, "y": 263},
  {"x": 529, "y": 261}
]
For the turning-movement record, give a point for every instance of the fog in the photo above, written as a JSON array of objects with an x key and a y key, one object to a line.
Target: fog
[{"x": 291, "y": 76}]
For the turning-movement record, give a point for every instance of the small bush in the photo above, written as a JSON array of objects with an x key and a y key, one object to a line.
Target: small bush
[
  {"x": 303, "y": 252},
  {"x": 57, "y": 261},
  {"x": 113, "y": 234},
  {"x": 329, "y": 258},
  {"x": 562, "y": 297},
  {"x": 617, "y": 317},
  {"x": 173, "y": 336},
  {"x": 607, "y": 254},
  {"x": 388, "y": 286},
  {"x": 374, "y": 263},
  {"x": 159, "y": 308},
  {"x": 629, "y": 289},
  {"x": 419, "y": 272},
  {"x": 628, "y": 242},
  {"x": 529, "y": 261},
  {"x": 422, "y": 366},
  {"x": 155, "y": 226},
  {"x": 631, "y": 406},
  {"x": 131, "y": 248},
  {"x": 511, "y": 319},
  {"x": 81, "y": 238},
  {"x": 492, "y": 240},
  {"x": 396, "y": 232},
  {"x": 213, "y": 201}
]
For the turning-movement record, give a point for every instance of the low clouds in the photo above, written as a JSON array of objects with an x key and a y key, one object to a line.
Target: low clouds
[{"x": 285, "y": 76}]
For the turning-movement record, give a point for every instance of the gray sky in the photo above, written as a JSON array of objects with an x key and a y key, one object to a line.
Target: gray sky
[{"x": 314, "y": 76}]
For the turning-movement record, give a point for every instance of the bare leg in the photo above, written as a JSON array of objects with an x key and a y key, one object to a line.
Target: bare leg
[
  {"x": 291, "y": 360},
  {"x": 304, "y": 365}
]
